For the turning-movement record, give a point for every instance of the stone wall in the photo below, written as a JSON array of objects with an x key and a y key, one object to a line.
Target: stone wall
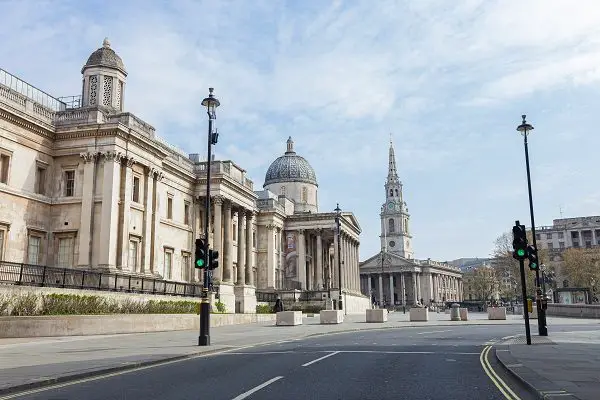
[
  {"x": 573, "y": 310},
  {"x": 356, "y": 304}
]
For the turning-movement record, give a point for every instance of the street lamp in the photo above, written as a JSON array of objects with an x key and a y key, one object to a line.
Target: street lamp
[
  {"x": 525, "y": 128},
  {"x": 338, "y": 214},
  {"x": 211, "y": 103}
]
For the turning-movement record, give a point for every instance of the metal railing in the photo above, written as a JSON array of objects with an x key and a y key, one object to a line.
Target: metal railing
[
  {"x": 44, "y": 276},
  {"x": 310, "y": 295},
  {"x": 20, "y": 86}
]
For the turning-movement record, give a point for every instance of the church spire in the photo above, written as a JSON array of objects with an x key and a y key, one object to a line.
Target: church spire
[{"x": 392, "y": 172}]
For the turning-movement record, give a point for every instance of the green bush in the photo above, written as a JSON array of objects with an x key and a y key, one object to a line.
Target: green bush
[
  {"x": 264, "y": 309},
  {"x": 4, "y": 304},
  {"x": 25, "y": 305},
  {"x": 220, "y": 307},
  {"x": 307, "y": 309}
]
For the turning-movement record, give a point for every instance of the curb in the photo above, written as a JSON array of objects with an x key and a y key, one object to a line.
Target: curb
[
  {"x": 134, "y": 365},
  {"x": 537, "y": 385}
]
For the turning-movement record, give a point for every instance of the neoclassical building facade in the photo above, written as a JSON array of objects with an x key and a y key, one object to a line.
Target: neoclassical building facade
[
  {"x": 393, "y": 276},
  {"x": 88, "y": 185}
]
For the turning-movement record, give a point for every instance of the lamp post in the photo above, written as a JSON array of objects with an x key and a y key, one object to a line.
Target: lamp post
[
  {"x": 525, "y": 128},
  {"x": 211, "y": 103},
  {"x": 339, "y": 251}
]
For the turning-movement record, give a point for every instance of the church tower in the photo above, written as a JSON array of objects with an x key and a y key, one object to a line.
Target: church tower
[{"x": 395, "y": 234}]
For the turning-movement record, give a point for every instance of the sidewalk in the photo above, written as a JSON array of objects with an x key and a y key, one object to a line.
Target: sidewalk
[
  {"x": 31, "y": 362},
  {"x": 563, "y": 365}
]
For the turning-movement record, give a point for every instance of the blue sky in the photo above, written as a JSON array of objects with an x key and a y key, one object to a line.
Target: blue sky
[{"x": 449, "y": 80}]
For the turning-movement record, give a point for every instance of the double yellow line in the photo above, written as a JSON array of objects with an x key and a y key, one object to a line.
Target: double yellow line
[{"x": 496, "y": 380}]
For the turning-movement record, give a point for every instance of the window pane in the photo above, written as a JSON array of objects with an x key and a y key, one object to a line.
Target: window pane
[
  {"x": 69, "y": 183},
  {"x": 186, "y": 216},
  {"x": 185, "y": 266},
  {"x": 136, "y": 189},
  {"x": 33, "y": 250},
  {"x": 169, "y": 208},
  {"x": 133, "y": 255},
  {"x": 168, "y": 257},
  {"x": 65, "y": 252}
]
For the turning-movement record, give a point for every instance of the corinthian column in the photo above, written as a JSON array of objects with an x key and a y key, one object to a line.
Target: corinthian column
[
  {"x": 87, "y": 201},
  {"x": 110, "y": 209},
  {"x": 249, "y": 274},
  {"x": 319, "y": 261},
  {"x": 227, "y": 243},
  {"x": 241, "y": 254},
  {"x": 301, "y": 248},
  {"x": 217, "y": 202}
]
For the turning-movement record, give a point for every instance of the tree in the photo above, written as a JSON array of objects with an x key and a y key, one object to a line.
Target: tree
[
  {"x": 582, "y": 267},
  {"x": 508, "y": 267},
  {"x": 485, "y": 283}
]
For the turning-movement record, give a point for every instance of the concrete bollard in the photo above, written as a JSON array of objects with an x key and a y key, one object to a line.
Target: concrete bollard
[
  {"x": 455, "y": 312},
  {"x": 464, "y": 314}
]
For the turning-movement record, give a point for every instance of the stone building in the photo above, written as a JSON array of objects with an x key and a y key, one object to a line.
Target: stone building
[
  {"x": 87, "y": 185},
  {"x": 393, "y": 276}
]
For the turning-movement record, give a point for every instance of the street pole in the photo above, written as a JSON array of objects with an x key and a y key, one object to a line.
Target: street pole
[
  {"x": 211, "y": 103},
  {"x": 339, "y": 251},
  {"x": 525, "y": 309},
  {"x": 524, "y": 128}
]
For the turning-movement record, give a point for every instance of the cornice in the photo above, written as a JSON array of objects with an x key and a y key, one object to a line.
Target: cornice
[{"x": 14, "y": 118}]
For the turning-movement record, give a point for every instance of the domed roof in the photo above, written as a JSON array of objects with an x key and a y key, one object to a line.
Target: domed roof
[
  {"x": 290, "y": 167},
  {"x": 105, "y": 57}
]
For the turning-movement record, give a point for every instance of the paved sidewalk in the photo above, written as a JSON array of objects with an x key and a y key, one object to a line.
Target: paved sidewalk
[
  {"x": 30, "y": 362},
  {"x": 563, "y": 365}
]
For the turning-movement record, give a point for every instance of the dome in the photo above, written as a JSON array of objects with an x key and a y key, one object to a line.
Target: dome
[
  {"x": 105, "y": 57},
  {"x": 290, "y": 167}
]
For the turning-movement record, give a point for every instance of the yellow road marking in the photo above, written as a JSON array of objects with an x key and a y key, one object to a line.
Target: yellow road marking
[{"x": 496, "y": 380}]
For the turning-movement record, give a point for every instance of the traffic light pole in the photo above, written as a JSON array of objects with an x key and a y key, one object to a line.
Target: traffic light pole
[
  {"x": 204, "y": 338},
  {"x": 524, "y": 293},
  {"x": 542, "y": 328}
]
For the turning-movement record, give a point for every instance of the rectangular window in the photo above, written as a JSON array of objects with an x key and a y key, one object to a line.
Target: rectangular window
[
  {"x": 254, "y": 239},
  {"x": 135, "y": 195},
  {"x": 169, "y": 208},
  {"x": 40, "y": 181},
  {"x": 33, "y": 250},
  {"x": 186, "y": 213},
  {"x": 65, "y": 252},
  {"x": 234, "y": 232},
  {"x": 550, "y": 245},
  {"x": 168, "y": 263},
  {"x": 133, "y": 255},
  {"x": 69, "y": 183},
  {"x": 4, "y": 165},
  {"x": 185, "y": 267},
  {"x": 548, "y": 236}
]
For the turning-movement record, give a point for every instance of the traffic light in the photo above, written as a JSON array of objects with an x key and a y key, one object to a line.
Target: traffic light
[
  {"x": 533, "y": 258},
  {"x": 200, "y": 260},
  {"x": 213, "y": 259},
  {"x": 519, "y": 242}
]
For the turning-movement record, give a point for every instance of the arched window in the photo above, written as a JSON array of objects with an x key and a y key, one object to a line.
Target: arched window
[
  {"x": 304, "y": 195},
  {"x": 392, "y": 226},
  {"x": 391, "y": 192},
  {"x": 282, "y": 191}
]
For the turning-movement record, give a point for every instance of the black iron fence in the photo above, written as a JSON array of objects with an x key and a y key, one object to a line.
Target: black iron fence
[
  {"x": 43, "y": 276},
  {"x": 271, "y": 296}
]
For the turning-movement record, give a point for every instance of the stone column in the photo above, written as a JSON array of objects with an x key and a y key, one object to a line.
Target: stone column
[
  {"x": 271, "y": 256},
  {"x": 403, "y": 288},
  {"x": 217, "y": 203},
  {"x": 227, "y": 243},
  {"x": 110, "y": 209},
  {"x": 241, "y": 253},
  {"x": 157, "y": 252},
  {"x": 301, "y": 249},
  {"x": 148, "y": 228},
  {"x": 126, "y": 213},
  {"x": 380, "y": 289},
  {"x": 392, "y": 289},
  {"x": 87, "y": 207},
  {"x": 249, "y": 273},
  {"x": 357, "y": 262},
  {"x": 414, "y": 279},
  {"x": 319, "y": 261},
  {"x": 369, "y": 288}
]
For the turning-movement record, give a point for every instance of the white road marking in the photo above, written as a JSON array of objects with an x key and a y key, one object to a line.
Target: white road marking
[
  {"x": 320, "y": 358},
  {"x": 424, "y": 333},
  {"x": 257, "y": 388}
]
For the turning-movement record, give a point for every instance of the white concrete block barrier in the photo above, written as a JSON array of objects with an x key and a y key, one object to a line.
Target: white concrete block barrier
[
  {"x": 289, "y": 318},
  {"x": 496, "y": 313},
  {"x": 455, "y": 312},
  {"x": 464, "y": 314},
  {"x": 332, "y": 316},
  {"x": 377, "y": 315},
  {"x": 419, "y": 314}
]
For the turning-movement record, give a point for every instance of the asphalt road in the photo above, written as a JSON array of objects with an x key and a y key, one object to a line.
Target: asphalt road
[{"x": 426, "y": 363}]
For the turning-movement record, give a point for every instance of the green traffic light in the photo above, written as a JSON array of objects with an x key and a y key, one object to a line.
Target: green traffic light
[
  {"x": 200, "y": 263},
  {"x": 533, "y": 265},
  {"x": 521, "y": 252}
]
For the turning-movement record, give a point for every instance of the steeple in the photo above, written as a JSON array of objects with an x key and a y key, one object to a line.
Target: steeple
[{"x": 392, "y": 172}]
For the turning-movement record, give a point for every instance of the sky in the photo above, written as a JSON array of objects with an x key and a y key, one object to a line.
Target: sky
[{"x": 448, "y": 80}]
